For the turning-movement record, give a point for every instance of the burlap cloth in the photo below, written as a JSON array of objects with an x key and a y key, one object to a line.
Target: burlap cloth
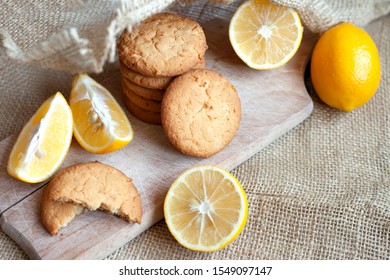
[{"x": 322, "y": 191}]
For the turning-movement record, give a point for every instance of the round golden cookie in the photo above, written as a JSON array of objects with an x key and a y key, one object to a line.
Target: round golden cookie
[
  {"x": 153, "y": 94},
  {"x": 141, "y": 114},
  {"x": 163, "y": 45},
  {"x": 144, "y": 103},
  {"x": 158, "y": 83},
  {"x": 200, "y": 112},
  {"x": 91, "y": 186}
]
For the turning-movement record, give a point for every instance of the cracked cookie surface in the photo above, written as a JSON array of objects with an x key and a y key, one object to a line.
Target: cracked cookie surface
[
  {"x": 163, "y": 45},
  {"x": 200, "y": 112},
  {"x": 89, "y": 186}
]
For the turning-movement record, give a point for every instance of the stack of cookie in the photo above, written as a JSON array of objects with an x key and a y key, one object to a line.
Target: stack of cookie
[{"x": 161, "y": 48}]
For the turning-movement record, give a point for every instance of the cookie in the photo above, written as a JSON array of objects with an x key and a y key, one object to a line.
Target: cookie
[
  {"x": 144, "y": 103},
  {"x": 153, "y": 94},
  {"x": 56, "y": 215},
  {"x": 141, "y": 114},
  {"x": 159, "y": 83},
  {"x": 200, "y": 112},
  {"x": 163, "y": 45},
  {"x": 89, "y": 186}
]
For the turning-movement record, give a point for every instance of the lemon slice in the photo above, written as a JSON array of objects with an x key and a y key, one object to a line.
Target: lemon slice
[
  {"x": 43, "y": 143},
  {"x": 206, "y": 208},
  {"x": 265, "y": 35},
  {"x": 100, "y": 124}
]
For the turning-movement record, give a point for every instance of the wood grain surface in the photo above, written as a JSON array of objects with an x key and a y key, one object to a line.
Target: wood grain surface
[{"x": 273, "y": 102}]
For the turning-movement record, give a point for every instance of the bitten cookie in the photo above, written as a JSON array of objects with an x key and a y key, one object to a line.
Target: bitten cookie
[
  {"x": 163, "y": 45},
  {"x": 56, "y": 215},
  {"x": 200, "y": 112},
  {"x": 91, "y": 186}
]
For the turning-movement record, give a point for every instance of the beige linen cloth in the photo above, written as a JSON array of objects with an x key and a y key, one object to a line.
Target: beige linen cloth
[{"x": 322, "y": 191}]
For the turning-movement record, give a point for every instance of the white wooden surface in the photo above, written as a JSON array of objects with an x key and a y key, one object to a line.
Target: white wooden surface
[{"x": 273, "y": 102}]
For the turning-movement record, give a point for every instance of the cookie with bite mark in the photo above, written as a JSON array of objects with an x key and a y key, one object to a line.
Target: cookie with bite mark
[{"x": 90, "y": 186}]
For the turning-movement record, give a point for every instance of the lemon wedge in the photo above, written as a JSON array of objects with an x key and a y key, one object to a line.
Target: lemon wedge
[
  {"x": 43, "y": 143},
  {"x": 100, "y": 124}
]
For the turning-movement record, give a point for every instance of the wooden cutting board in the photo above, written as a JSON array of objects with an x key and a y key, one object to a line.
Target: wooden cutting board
[{"x": 273, "y": 102}]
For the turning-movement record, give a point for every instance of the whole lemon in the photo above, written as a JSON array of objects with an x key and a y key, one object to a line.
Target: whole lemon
[{"x": 345, "y": 67}]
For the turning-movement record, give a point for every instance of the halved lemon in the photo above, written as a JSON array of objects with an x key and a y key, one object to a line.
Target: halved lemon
[
  {"x": 43, "y": 143},
  {"x": 100, "y": 124},
  {"x": 265, "y": 35},
  {"x": 206, "y": 208}
]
